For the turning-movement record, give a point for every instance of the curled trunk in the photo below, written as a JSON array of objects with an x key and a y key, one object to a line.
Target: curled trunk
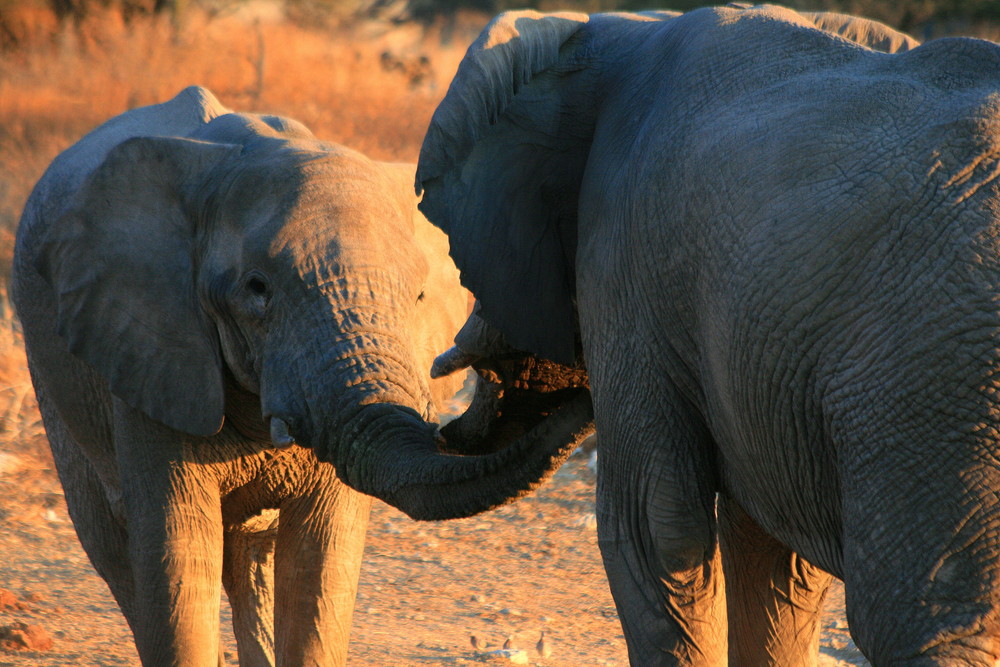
[
  {"x": 396, "y": 458},
  {"x": 512, "y": 397},
  {"x": 526, "y": 418}
]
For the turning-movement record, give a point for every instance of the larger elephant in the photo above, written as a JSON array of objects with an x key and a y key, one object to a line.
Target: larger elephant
[
  {"x": 195, "y": 287},
  {"x": 777, "y": 252}
]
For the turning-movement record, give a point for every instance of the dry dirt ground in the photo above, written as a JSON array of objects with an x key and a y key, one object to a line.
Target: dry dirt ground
[{"x": 425, "y": 587}]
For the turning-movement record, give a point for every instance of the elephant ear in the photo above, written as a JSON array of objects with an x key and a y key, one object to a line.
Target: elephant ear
[
  {"x": 500, "y": 171},
  {"x": 120, "y": 262},
  {"x": 866, "y": 32}
]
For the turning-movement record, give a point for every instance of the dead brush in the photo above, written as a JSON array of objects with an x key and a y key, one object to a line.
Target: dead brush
[{"x": 54, "y": 90}]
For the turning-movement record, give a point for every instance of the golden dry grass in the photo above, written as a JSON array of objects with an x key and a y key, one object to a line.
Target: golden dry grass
[{"x": 366, "y": 87}]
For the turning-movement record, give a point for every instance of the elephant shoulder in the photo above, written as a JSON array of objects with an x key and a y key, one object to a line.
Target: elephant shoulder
[
  {"x": 720, "y": 31},
  {"x": 401, "y": 174},
  {"x": 445, "y": 304}
]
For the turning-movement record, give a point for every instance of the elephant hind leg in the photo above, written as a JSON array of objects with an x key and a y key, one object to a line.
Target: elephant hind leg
[
  {"x": 657, "y": 533},
  {"x": 248, "y": 577},
  {"x": 774, "y": 596}
]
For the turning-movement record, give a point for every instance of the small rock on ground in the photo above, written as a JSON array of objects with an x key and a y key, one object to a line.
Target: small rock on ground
[{"x": 23, "y": 637}]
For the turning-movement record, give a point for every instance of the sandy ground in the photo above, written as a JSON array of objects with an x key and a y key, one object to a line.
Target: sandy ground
[{"x": 425, "y": 588}]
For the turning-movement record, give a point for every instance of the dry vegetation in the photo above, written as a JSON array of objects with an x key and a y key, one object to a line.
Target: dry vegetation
[{"x": 366, "y": 87}]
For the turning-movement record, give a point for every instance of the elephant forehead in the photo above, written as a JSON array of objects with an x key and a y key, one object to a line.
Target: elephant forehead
[
  {"x": 323, "y": 211},
  {"x": 288, "y": 209},
  {"x": 344, "y": 228},
  {"x": 350, "y": 248}
]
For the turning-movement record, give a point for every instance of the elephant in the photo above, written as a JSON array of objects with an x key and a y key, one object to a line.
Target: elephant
[
  {"x": 196, "y": 285},
  {"x": 776, "y": 254}
]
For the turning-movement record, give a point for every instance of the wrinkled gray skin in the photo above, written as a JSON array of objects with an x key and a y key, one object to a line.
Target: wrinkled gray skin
[
  {"x": 778, "y": 252},
  {"x": 183, "y": 274}
]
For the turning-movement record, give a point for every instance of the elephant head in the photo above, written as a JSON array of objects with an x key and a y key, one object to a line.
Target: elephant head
[
  {"x": 250, "y": 259},
  {"x": 507, "y": 151}
]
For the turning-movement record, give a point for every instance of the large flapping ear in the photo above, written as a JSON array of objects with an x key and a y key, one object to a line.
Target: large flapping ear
[
  {"x": 866, "y": 32},
  {"x": 500, "y": 169},
  {"x": 121, "y": 265}
]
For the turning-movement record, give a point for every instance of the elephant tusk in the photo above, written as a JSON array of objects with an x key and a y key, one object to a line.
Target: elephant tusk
[
  {"x": 280, "y": 436},
  {"x": 451, "y": 361}
]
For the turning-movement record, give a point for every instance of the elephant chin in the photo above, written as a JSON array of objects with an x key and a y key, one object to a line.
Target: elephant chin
[{"x": 525, "y": 420}]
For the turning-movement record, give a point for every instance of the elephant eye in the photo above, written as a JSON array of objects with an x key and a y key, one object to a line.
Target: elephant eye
[
  {"x": 420, "y": 297},
  {"x": 257, "y": 286}
]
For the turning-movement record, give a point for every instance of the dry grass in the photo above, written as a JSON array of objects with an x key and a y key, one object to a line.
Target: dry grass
[
  {"x": 21, "y": 428},
  {"x": 366, "y": 87}
]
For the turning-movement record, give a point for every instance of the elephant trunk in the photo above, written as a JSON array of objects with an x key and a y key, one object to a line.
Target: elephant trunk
[
  {"x": 489, "y": 456},
  {"x": 370, "y": 420},
  {"x": 394, "y": 455}
]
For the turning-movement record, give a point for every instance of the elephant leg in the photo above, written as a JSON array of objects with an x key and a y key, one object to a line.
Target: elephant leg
[
  {"x": 321, "y": 539},
  {"x": 102, "y": 536},
  {"x": 774, "y": 596},
  {"x": 248, "y": 577},
  {"x": 175, "y": 543},
  {"x": 657, "y": 534},
  {"x": 921, "y": 548}
]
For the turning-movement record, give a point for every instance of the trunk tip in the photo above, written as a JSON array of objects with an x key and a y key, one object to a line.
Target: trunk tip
[
  {"x": 451, "y": 361},
  {"x": 281, "y": 436}
]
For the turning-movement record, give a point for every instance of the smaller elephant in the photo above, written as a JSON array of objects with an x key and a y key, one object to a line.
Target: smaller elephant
[{"x": 198, "y": 288}]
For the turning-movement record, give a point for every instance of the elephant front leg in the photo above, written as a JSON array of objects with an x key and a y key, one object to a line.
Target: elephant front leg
[
  {"x": 656, "y": 527},
  {"x": 774, "y": 596},
  {"x": 321, "y": 539},
  {"x": 175, "y": 546}
]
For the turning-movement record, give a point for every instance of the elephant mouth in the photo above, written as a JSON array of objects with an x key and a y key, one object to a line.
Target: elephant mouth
[{"x": 512, "y": 397}]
